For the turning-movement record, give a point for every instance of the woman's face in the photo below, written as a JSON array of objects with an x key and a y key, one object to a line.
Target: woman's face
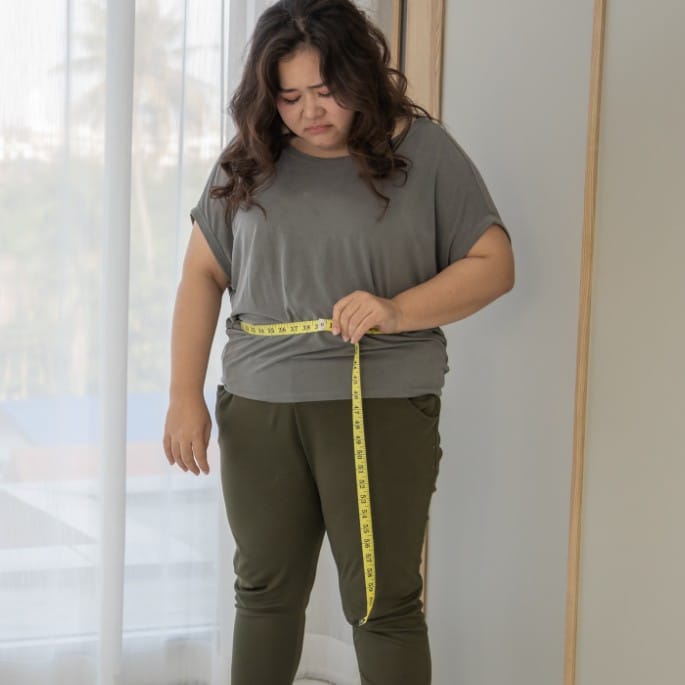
[{"x": 320, "y": 124}]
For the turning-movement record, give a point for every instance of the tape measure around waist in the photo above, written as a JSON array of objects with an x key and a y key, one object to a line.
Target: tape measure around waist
[{"x": 361, "y": 468}]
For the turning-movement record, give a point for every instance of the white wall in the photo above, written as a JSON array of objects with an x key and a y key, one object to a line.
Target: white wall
[
  {"x": 515, "y": 95},
  {"x": 632, "y": 601}
]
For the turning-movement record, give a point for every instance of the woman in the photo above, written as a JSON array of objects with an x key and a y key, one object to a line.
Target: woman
[{"x": 340, "y": 209}]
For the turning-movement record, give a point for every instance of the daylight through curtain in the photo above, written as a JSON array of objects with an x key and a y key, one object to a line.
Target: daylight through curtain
[{"x": 114, "y": 566}]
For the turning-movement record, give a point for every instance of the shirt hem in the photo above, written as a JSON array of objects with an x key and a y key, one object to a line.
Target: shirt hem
[{"x": 326, "y": 396}]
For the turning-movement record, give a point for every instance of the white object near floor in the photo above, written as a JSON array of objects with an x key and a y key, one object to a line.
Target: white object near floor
[{"x": 327, "y": 660}]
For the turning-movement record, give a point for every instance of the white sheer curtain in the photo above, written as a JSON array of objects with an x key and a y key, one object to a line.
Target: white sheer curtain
[{"x": 114, "y": 566}]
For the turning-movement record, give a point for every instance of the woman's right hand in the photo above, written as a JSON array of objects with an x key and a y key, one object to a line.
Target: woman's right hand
[{"x": 187, "y": 431}]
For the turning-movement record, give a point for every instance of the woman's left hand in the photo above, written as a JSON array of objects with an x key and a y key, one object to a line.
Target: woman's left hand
[{"x": 358, "y": 312}]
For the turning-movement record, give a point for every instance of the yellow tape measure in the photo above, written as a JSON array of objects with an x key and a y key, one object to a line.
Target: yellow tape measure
[{"x": 361, "y": 469}]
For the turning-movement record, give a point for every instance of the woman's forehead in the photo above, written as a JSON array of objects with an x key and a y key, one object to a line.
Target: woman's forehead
[{"x": 300, "y": 70}]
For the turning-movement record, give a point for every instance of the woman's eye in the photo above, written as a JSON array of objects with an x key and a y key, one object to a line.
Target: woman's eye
[{"x": 293, "y": 101}]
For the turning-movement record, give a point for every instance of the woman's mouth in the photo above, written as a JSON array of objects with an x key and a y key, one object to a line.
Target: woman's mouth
[{"x": 318, "y": 129}]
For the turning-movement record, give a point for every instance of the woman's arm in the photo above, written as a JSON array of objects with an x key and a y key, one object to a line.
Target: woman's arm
[
  {"x": 196, "y": 312},
  {"x": 462, "y": 288},
  {"x": 198, "y": 301}
]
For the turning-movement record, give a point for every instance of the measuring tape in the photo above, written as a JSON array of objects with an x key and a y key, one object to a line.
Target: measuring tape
[{"x": 361, "y": 470}]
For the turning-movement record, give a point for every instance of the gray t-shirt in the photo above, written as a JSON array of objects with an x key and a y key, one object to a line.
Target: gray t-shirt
[{"x": 320, "y": 242}]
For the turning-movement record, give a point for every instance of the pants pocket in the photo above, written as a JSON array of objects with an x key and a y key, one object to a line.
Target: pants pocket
[
  {"x": 223, "y": 398},
  {"x": 427, "y": 406}
]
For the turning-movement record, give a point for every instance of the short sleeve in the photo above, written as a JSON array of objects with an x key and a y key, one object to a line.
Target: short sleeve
[
  {"x": 210, "y": 216},
  {"x": 463, "y": 205}
]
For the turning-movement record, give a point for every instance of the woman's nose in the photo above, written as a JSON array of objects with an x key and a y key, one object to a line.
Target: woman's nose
[{"x": 312, "y": 108}]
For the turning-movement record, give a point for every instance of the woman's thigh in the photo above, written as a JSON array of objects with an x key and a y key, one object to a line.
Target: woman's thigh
[
  {"x": 403, "y": 453},
  {"x": 271, "y": 498}
]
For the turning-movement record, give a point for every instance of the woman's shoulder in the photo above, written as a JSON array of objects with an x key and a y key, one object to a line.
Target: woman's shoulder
[
  {"x": 401, "y": 124},
  {"x": 423, "y": 136}
]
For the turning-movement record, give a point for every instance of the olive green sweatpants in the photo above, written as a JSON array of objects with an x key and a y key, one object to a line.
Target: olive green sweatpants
[{"x": 288, "y": 476}]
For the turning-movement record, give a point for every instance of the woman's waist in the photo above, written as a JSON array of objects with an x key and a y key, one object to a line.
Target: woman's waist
[
  {"x": 319, "y": 352},
  {"x": 264, "y": 368}
]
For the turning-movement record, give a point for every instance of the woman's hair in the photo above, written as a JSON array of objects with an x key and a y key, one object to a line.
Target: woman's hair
[{"x": 355, "y": 66}]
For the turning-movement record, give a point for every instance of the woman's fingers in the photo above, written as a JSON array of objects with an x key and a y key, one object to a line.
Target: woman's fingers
[
  {"x": 360, "y": 311},
  {"x": 356, "y": 313},
  {"x": 200, "y": 449},
  {"x": 192, "y": 456},
  {"x": 188, "y": 458},
  {"x": 176, "y": 451},
  {"x": 167, "y": 449},
  {"x": 357, "y": 333},
  {"x": 345, "y": 319},
  {"x": 187, "y": 433}
]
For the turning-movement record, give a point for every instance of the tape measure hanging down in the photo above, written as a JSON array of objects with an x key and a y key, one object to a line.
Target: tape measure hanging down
[{"x": 361, "y": 469}]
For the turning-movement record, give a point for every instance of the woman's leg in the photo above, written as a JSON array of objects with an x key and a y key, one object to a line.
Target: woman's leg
[
  {"x": 403, "y": 453},
  {"x": 275, "y": 516}
]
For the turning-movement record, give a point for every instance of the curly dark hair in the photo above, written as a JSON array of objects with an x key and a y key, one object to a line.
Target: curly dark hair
[{"x": 355, "y": 65}]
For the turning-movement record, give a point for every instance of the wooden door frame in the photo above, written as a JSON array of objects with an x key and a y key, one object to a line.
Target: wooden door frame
[
  {"x": 423, "y": 51},
  {"x": 583, "y": 341}
]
